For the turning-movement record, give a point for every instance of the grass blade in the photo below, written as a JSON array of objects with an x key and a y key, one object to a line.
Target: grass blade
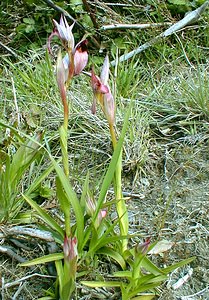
[
  {"x": 46, "y": 217},
  {"x": 43, "y": 259}
]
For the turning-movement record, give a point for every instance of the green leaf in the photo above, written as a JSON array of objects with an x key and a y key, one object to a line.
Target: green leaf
[
  {"x": 43, "y": 259},
  {"x": 23, "y": 158},
  {"x": 63, "y": 200},
  {"x": 152, "y": 268},
  {"x": 47, "y": 298},
  {"x": 36, "y": 183},
  {"x": 60, "y": 271},
  {"x": 46, "y": 217},
  {"x": 115, "y": 255},
  {"x": 178, "y": 265},
  {"x": 144, "y": 297},
  {"x": 178, "y": 2},
  {"x": 123, "y": 274},
  {"x": 144, "y": 288},
  {"x": 107, "y": 284},
  {"x": 84, "y": 193},
  {"x": 72, "y": 197},
  {"x": 29, "y": 21}
]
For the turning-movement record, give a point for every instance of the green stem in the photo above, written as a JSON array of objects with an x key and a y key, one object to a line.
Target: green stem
[
  {"x": 66, "y": 114},
  {"x": 63, "y": 131},
  {"x": 120, "y": 203}
]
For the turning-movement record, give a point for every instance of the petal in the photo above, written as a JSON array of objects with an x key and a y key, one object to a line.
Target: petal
[
  {"x": 70, "y": 248},
  {"x": 105, "y": 71},
  {"x": 66, "y": 63},
  {"x": 65, "y": 31},
  {"x": 61, "y": 30},
  {"x": 73, "y": 248},
  {"x": 69, "y": 32},
  {"x": 103, "y": 213},
  {"x": 109, "y": 108},
  {"x": 61, "y": 77},
  {"x": 80, "y": 57},
  {"x": 90, "y": 206},
  {"x": 97, "y": 85},
  {"x": 66, "y": 247}
]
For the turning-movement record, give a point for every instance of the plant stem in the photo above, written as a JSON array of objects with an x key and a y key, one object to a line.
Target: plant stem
[
  {"x": 66, "y": 114},
  {"x": 63, "y": 131},
  {"x": 120, "y": 203}
]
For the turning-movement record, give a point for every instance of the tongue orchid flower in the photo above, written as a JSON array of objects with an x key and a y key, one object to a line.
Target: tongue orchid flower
[
  {"x": 76, "y": 57},
  {"x": 102, "y": 93},
  {"x": 64, "y": 32}
]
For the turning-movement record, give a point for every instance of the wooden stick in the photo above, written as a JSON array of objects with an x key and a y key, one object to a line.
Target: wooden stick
[
  {"x": 32, "y": 232},
  {"x": 190, "y": 18},
  {"x": 11, "y": 253},
  {"x": 18, "y": 281},
  {"x": 134, "y": 26}
]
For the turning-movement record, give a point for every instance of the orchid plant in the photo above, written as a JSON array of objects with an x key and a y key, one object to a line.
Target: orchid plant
[
  {"x": 92, "y": 233},
  {"x": 72, "y": 64}
]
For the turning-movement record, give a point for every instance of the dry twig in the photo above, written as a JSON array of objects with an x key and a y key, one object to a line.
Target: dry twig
[
  {"x": 23, "y": 231},
  {"x": 8, "y": 251},
  {"x": 16, "y": 282},
  {"x": 134, "y": 26}
]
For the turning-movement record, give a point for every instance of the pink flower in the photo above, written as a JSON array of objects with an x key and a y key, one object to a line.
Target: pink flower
[
  {"x": 70, "y": 254},
  {"x": 142, "y": 248},
  {"x": 90, "y": 209},
  {"x": 70, "y": 248},
  {"x": 77, "y": 57},
  {"x": 80, "y": 57},
  {"x": 61, "y": 76},
  {"x": 64, "y": 32},
  {"x": 102, "y": 93}
]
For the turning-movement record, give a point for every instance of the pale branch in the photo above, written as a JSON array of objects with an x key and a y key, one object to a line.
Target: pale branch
[
  {"x": 200, "y": 293},
  {"x": 134, "y": 26},
  {"x": 18, "y": 281},
  {"x": 8, "y": 251},
  {"x": 182, "y": 280},
  {"x": 26, "y": 231},
  {"x": 189, "y": 18}
]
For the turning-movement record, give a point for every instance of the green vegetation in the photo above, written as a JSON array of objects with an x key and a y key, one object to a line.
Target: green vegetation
[{"x": 117, "y": 203}]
